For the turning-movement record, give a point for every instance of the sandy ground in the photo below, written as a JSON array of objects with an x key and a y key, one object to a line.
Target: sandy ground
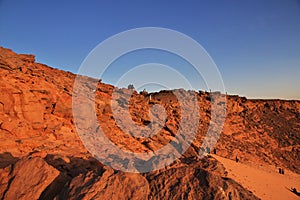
[{"x": 264, "y": 181}]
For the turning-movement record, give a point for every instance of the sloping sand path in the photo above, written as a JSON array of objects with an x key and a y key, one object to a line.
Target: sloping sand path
[{"x": 264, "y": 181}]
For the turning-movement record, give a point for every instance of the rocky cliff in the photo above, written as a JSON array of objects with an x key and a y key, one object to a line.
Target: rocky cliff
[{"x": 42, "y": 156}]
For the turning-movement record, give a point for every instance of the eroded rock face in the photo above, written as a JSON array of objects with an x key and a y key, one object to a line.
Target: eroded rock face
[
  {"x": 108, "y": 185},
  {"x": 190, "y": 179},
  {"x": 36, "y": 116},
  {"x": 35, "y": 107},
  {"x": 36, "y": 121},
  {"x": 27, "y": 179}
]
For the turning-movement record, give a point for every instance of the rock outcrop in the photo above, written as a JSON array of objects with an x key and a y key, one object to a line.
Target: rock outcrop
[
  {"x": 42, "y": 156},
  {"x": 27, "y": 179}
]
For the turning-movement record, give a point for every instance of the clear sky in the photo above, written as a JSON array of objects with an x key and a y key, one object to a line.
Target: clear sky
[{"x": 255, "y": 44}]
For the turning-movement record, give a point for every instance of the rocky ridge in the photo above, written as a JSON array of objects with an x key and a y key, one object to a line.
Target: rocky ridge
[{"x": 40, "y": 147}]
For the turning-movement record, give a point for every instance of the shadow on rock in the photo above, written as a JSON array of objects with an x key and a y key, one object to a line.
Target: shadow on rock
[{"x": 7, "y": 159}]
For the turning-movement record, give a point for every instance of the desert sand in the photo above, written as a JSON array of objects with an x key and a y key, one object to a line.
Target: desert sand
[{"x": 264, "y": 181}]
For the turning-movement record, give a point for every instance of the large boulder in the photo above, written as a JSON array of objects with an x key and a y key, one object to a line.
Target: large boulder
[{"x": 27, "y": 179}]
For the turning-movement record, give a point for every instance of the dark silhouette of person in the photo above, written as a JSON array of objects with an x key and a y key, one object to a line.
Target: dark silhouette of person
[
  {"x": 280, "y": 171},
  {"x": 215, "y": 151},
  {"x": 236, "y": 159}
]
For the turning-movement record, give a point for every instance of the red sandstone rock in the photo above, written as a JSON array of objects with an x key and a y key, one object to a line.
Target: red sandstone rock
[
  {"x": 27, "y": 179},
  {"x": 36, "y": 118}
]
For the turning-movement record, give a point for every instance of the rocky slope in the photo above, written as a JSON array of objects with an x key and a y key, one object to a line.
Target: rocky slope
[{"x": 40, "y": 148}]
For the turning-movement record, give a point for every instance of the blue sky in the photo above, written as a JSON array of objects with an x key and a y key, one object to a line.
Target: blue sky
[{"x": 255, "y": 44}]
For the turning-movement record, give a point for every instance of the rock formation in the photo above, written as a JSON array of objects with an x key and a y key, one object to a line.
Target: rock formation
[{"x": 42, "y": 156}]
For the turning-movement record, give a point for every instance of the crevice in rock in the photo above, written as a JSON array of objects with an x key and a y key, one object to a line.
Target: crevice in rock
[
  {"x": 54, "y": 188},
  {"x": 8, "y": 185}
]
